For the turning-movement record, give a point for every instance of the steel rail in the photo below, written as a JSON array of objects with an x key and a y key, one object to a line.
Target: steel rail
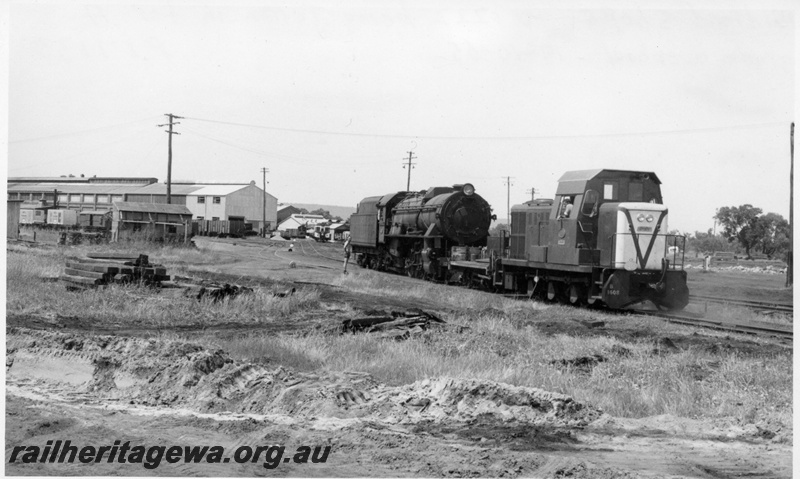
[
  {"x": 749, "y": 327},
  {"x": 764, "y": 305}
]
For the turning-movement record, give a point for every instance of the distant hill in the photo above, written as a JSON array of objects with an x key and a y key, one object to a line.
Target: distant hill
[{"x": 343, "y": 211}]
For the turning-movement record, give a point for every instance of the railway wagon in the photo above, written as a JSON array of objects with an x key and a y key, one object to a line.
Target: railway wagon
[
  {"x": 603, "y": 239},
  {"x": 62, "y": 217},
  {"x": 412, "y": 232}
]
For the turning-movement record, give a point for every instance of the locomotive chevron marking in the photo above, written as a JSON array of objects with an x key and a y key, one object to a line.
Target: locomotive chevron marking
[{"x": 643, "y": 260}]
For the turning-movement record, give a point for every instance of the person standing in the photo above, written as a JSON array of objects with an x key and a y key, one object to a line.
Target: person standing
[{"x": 347, "y": 250}]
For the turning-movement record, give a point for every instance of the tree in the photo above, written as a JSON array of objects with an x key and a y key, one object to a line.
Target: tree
[
  {"x": 706, "y": 242},
  {"x": 774, "y": 234},
  {"x": 322, "y": 212},
  {"x": 740, "y": 224}
]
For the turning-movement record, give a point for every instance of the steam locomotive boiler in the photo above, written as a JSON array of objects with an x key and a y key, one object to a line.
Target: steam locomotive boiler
[{"x": 413, "y": 232}]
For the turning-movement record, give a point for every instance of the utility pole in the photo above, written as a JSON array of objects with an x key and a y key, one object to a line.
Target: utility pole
[
  {"x": 533, "y": 192},
  {"x": 790, "y": 258},
  {"x": 508, "y": 198},
  {"x": 169, "y": 151},
  {"x": 410, "y": 165},
  {"x": 264, "y": 172}
]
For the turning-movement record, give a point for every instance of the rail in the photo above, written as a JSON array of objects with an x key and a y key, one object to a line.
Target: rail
[
  {"x": 773, "y": 306},
  {"x": 747, "y": 327}
]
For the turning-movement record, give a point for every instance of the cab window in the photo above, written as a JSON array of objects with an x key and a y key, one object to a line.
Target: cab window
[
  {"x": 590, "y": 203},
  {"x": 565, "y": 207},
  {"x": 610, "y": 191}
]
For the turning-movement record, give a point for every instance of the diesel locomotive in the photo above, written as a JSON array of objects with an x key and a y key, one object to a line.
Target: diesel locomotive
[
  {"x": 602, "y": 240},
  {"x": 413, "y": 233}
]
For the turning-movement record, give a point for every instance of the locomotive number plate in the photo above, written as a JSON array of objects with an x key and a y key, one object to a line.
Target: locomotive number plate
[
  {"x": 613, "y": 292},
  {"x": 562, "y": 242},
  {"x": 644, "y": 228}
]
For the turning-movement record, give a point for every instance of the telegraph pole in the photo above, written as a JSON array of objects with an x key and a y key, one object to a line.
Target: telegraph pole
[
  {"x": 533, "y": 192},
  {"x": 169, "y": 151},
  {"x": 264, "y": 172},
  {"x": 508, "y": 198},
  {"x": 410, "y": 165},
  {"x": 790, "y": 258}
]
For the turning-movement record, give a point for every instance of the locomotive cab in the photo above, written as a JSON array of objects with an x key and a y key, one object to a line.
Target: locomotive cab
[{"x": 573, "y": 233}]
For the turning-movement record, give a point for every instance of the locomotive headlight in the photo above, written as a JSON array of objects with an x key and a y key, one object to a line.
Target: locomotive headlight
[
  {"x": 640, "y": 218},
  {"x": 649, "y": 218},
  {"x": 468, "y": 190}
]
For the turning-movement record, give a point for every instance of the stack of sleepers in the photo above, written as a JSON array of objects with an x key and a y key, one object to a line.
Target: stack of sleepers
[{"x": 107, "y": 268}]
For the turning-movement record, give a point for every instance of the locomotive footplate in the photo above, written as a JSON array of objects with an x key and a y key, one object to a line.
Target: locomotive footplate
[{"x": 665, "y": 289}]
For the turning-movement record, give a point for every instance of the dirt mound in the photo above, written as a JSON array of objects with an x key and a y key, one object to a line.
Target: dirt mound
[
  {"x": 442, "y": 399},
  {"x": 178, "y": 374}
]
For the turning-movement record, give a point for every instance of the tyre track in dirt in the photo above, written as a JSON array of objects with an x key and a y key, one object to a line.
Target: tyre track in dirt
[{"x": 180, "y": 394}]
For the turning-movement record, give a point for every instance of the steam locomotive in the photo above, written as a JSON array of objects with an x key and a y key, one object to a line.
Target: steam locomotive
[
  {"x": 601, "y": 241},
  {"x": 413, "y": 232}
]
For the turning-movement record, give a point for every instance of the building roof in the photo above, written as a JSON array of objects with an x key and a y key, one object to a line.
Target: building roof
[
  {"x": 218, "y": 190},
  {"x": 112, "y": 189},
  {"x": 152, "y": 208},
  {"x": 82, "y": 179},
  {"x": 94, "y": 212},
  {"x": 161, "y": 189},
  {"x": 22, "y": 185},
  {"x": 339, "y": 226}
]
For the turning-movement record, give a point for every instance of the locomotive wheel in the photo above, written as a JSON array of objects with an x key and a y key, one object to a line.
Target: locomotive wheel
[
  {"x": 576, "y": 294},
  {"x": 552, "y": 290}
]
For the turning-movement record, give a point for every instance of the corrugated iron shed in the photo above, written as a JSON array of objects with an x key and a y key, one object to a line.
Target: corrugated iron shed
[
  {"x": 152, "y": 208},
  {"x": 112, "y": 189},
  {"x": 161, "y": 189}
]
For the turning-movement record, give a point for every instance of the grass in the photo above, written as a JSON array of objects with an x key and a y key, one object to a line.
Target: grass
[
  {"x": 487, "y": 337},
  {"x": 739, "y": 285},
  {"x": 690, "y": 383},
  {"x": 28, "y": 294}
]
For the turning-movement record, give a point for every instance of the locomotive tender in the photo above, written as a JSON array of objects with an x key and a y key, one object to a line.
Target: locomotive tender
[{"x": 602, "y": 240}]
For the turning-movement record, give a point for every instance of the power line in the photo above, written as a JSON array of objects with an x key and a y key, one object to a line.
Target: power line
[
  {"x": 503, "y": 138},
  {"x": 280, "y": 156},
  {"x": 95, "y": 147},
  {"x": 78, "y": 132}
]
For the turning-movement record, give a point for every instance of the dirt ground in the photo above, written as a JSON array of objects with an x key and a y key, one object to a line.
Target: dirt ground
[{"x": 68, "y": 378}]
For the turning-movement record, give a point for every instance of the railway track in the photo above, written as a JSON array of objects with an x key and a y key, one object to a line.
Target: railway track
[
  {"x": 750, "y": 327},
  {"x": 686, "y": 318},
  {"x": 770, "y": 306}
]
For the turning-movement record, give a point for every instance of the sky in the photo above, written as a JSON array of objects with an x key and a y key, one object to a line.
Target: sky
[{"x": 332, "y": 96}]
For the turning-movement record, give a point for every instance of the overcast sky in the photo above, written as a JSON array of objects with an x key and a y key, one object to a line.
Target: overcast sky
[{"x": 331, "y": 96}]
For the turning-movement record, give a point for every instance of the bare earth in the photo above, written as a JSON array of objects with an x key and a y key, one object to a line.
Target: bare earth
[{"x": 93, "y": 384}]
